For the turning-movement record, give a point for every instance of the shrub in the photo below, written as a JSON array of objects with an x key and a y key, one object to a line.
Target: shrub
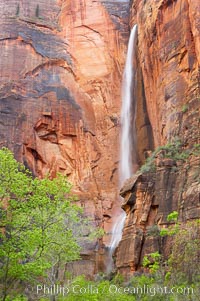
[
  {"x": 184, "y": 108},
  {"x": 173, "y": 150}
]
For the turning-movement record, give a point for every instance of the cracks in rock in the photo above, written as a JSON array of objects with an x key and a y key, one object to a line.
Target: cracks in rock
[
  {"x": 182, "y": 55},
  {"x": 52, "y": 62},
  {"x": 20, "y": 39},
  {"x": 179, "y": 54},
  {"x": 191, "y": 32},
  {"x": 40, "y": 25},
  {"x": 90, "y": 28},
  {"x": 183, "y": 188},
  {"x": 86, "y": 130},
  {"x": 115, "y": 16},
  {"x": 90, "y": 40},
  {"x": 148, "y": 196},
  {"x": 113, "y": 173},
  {"x": 8, "y": 39},
  {"x": 166, "y": 3},
  {"x": 110, "y": 128},
  {"x": 102, "y": 92},
  {"x": 141, "y": 249},
  {"x": 35, "y": 154}
]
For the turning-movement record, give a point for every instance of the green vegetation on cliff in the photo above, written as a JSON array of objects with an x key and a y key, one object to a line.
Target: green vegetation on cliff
[{"x": 174, "y": 150}]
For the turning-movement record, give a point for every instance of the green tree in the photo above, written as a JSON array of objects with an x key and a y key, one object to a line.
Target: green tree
[
  {"x": 184, "y": 258},
  {"x": 152, "y": 261},
  {"x": 36, "y": 233},
  {"x": 183, "y": 268}
]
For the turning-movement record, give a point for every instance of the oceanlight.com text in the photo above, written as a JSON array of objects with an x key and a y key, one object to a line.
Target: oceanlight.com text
[{"x": 76, "y": 289}]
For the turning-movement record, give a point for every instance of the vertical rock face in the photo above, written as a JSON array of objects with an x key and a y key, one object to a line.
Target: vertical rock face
[
  {"x": 169, "y": 56},
  {"x": 148, "y": 199},
  {"x": 60, "y": 76},
  {"x": 168, "y": 53}
]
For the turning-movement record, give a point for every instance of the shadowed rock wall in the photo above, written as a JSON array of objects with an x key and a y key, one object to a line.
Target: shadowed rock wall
[{"x": 168, "y": 53}]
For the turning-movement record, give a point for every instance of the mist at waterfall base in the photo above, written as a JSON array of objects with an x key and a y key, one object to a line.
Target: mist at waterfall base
[{"x": 127, "y": 136}]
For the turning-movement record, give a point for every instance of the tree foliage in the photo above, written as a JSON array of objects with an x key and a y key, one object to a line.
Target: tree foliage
[
  {"x": 37, "y": 219},
  {"x": 185, "y": 255}
]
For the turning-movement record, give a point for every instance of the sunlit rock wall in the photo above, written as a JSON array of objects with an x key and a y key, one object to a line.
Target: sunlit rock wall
[{"x": 61, "y": 65}]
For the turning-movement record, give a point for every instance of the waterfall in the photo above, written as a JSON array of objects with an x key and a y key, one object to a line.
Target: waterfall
[
  {"x": 117, "y": 231},
  {"x": 127, "y": 131}
]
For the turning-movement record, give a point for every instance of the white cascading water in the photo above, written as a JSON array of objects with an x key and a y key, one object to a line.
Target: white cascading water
[
  {"x": 126, "y": 146},
  {"x": 126, "y": 150}
]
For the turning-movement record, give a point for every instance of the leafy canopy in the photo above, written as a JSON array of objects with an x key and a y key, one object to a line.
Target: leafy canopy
[{"x": 37, "y": 221}]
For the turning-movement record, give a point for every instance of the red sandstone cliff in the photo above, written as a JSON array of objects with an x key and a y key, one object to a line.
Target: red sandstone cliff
[
  {"x": 168, "y": 53},
  {"x": 60, "y": 77}
]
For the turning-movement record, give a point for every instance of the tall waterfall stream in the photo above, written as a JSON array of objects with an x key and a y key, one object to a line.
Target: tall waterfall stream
[{"x": 127, "y": 132}]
